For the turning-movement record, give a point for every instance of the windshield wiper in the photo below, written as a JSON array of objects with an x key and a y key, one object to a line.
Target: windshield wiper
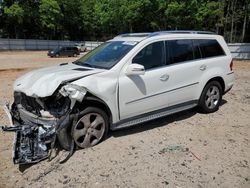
[{"x": 88, "y": 65}]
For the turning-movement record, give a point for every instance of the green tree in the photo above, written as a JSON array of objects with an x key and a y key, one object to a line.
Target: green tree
[
  {"x": 88, "y": 20},
  {"x": 103, "y": 19},
  {"x": 50, "y": 15},
  {"x": 14, "y": 15},
  {"x": 210, "y": 16},
  {"x": 71, "y": 22}
]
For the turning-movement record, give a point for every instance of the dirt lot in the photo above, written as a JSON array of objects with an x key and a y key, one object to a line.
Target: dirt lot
[{"x": 187, "y": 149}]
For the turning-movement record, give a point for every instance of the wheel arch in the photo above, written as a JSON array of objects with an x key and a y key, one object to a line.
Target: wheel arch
[
  {"x": 204, "y": 83},
  {"x": 218, "y": 79},
  {"x": 92, "y": 100},
  {"x": 215, "y": 78},
  {"x": 64, "y": 136}
]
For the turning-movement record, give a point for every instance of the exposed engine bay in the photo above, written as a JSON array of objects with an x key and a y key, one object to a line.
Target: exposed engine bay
[{"x": 37, "y": 121}]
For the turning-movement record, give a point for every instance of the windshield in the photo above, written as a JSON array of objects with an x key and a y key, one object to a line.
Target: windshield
[{"x": 106, "y": 55}]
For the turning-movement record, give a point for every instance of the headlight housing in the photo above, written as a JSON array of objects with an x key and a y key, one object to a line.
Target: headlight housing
[{"x": 73, "y": 91}]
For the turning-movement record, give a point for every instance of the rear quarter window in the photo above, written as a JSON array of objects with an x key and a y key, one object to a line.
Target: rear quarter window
[{"x": 210, "y": 48}]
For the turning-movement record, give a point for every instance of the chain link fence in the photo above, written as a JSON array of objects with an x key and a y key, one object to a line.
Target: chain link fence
[
  {"x": 238, "y": 50},
  {"x": 33, "y": 44}
]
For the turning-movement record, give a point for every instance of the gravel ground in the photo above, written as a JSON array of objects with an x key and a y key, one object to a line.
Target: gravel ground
[{"x": 187, "y": 149}]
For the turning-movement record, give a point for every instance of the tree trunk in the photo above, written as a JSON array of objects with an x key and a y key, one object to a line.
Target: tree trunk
[
  {"x": 232, "y": 22},
  {"x": 15, "y": 32},
  {"x": 244, "y": 26},
  {"x": 234, "y": 2},
  {"x": 226, "y": 15},
  {"x": 130, "y": 28}
]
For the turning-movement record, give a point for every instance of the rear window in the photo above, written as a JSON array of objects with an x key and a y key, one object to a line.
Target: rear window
[{"x": 209, "y": 48}]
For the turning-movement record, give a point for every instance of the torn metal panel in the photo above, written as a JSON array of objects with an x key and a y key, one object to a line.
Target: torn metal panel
[
  {"x": 30, "y": 145},
  {"x": 35, "y": 128},
  {"x": 6, "y": 108}
]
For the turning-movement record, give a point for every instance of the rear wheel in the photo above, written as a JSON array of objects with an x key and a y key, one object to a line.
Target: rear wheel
[
  {"x": 91, "y": 128},
  {"x": 211, "y": 97}
]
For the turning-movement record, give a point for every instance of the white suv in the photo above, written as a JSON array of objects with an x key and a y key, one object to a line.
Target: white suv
[{"x": 128, "y": 80}]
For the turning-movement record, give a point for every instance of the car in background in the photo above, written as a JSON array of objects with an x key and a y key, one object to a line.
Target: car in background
[
  {"x": 81, "y": 47},
  {"x": 69, "y": 51}
]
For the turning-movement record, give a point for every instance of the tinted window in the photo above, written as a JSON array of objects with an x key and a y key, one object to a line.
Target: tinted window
[
  {"x": 179, "y": 51},
  {"x": 71, "y": 48},
  {"x": 151, "y": 56},
  {"x": 210, "y": 48},
  {"x": 197, "y": 51}
]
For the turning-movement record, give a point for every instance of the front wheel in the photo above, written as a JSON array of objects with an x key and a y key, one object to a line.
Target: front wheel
[
  {"x": 211, "y": 97},
  {"x": 91, "y": 128}
]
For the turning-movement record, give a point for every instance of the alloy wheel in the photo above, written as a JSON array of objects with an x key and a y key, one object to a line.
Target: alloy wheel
[
  {"x": 212, "y": 97},
  {"x": 89, "y": 130}
]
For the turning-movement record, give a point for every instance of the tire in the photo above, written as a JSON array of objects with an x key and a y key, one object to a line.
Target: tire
[
  {"x": 91, "y": 128},
  {"x": 74, "y": 55},
  {"x": 57, "y": 55},
  {"x": 211, "y": 97}
]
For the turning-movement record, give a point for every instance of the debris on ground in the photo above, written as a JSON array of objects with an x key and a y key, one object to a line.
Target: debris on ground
[
  {"x": 177, "y": 148},
  {"x": 173, "y": 148}
]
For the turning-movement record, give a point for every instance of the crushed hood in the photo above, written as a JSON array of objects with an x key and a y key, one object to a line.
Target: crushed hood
[{"x": 43, "y": 82}]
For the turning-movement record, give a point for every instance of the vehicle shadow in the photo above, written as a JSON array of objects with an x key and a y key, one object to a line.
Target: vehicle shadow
[{"x": 164, "y": 121}]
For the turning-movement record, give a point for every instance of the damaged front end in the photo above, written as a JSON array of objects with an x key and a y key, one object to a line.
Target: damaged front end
[{"x": 37, "y": 121}]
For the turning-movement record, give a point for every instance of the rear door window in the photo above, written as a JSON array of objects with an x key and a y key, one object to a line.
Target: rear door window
[
  {"x": 210, "y": 48},
  {"x": 197, "y": 51},
  {"x": 179, "y": 51}
]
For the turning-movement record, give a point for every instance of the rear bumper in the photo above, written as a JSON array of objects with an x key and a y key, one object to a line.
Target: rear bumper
[
  {"x": 51, "y": 55},
  {"x": 229, "y": 81}
]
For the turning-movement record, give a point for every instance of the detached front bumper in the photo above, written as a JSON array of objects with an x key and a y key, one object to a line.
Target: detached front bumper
[{"x": 33, "y": 134}]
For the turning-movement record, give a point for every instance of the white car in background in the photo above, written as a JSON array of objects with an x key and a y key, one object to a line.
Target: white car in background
[
  {"x": 81, "y": 47},
  {"x": 131, "y": 79}
]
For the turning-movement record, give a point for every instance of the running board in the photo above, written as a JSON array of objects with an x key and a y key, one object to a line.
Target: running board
[{"x": 153, "y": 115}]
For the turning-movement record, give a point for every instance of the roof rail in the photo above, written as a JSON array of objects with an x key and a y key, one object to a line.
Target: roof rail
[
  {"x": 163, "y": 33},
  {"x": 133, "y": 35},
  {"x": 180, "y": 32}
]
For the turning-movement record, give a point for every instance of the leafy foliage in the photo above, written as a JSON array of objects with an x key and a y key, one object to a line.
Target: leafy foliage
[
  {"x": 50, "y": 13},
  {"x": 103, "y": 19}
]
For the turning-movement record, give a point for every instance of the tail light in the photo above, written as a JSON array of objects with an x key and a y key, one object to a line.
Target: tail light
[{"x": 231, "y": 65}]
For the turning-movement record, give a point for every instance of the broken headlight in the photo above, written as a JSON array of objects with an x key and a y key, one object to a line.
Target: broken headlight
[{"x": 73, "y": 91}]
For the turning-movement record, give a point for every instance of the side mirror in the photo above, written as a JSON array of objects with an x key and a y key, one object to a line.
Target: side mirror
[{"x": 135, "y": 69}]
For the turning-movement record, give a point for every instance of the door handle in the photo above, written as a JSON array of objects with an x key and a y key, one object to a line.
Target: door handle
[
  {"x": 164, "y": 77},
  {"x": 203, "y": 67}
]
